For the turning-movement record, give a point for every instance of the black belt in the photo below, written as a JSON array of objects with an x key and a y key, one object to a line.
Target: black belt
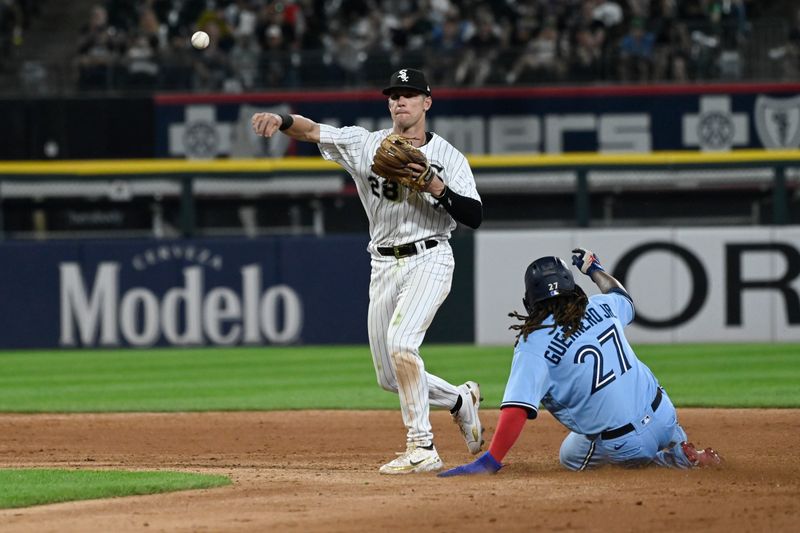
[
  {"x": 627, "y": 428},
  {"x": 404, "y": 250}
]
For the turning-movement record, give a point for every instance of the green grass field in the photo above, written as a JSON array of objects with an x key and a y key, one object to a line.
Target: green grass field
[
  {"x": 313, "y": 377},
  {"x": 34, "y": 486},
  {"x": 342, "y": 377}
]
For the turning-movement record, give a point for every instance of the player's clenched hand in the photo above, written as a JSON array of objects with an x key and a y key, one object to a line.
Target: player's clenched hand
[
  {"x": 266, "y": 124},
  {"x": 418, "y": 170},
  {"x": 586, "y": 261},
  {"x": 485, "y": 464}
]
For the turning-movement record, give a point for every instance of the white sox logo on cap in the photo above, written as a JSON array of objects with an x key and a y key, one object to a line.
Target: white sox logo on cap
[{"x": 408, "y": 78}]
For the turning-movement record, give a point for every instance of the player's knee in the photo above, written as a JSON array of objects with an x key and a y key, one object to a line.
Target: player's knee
[
  {"x": 567, "y": 461},
  {"x": 407, "y": 363},
  {"x": 562, "y": 456},
  {"x": 566, "y": 455},
  {"x": 402, "y": 358},
  {"x": 385, "y": 374}
]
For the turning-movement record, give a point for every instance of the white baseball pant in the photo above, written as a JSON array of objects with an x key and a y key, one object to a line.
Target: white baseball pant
[{"x": 404, "y": 297}]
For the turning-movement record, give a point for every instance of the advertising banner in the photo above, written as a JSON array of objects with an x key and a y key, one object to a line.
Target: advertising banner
[
  {"x": 688, "y": 284},
  {"x": 288, "y": 290},
  {"x": 625, "y": 119},
  {"x": 215, "y": 292}
]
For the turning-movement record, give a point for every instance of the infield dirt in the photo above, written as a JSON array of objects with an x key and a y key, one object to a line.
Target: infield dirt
[{"x": 317, "y": 471}]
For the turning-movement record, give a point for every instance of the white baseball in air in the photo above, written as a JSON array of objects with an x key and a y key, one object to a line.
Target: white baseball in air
[{"x": 200, "y": 40}]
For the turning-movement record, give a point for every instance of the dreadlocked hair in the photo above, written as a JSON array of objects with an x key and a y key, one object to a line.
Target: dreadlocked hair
[{"x": 567, "y": 310}]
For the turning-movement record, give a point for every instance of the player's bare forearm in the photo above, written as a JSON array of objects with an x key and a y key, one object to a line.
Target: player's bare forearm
[
  {"x": 605, "y": 281},
  {"x": 301, "y": 128}
]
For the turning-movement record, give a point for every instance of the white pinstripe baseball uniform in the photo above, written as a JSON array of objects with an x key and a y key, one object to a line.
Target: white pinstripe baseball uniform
[{"x": 405, "y": 293}]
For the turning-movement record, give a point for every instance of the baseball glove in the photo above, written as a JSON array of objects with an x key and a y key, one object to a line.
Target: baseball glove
[{"x": 392, "y": 159}]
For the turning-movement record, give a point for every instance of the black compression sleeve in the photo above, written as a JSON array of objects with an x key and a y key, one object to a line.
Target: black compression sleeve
[{"x": 466, "y": 210}]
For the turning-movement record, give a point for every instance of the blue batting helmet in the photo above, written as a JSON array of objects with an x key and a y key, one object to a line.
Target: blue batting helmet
[{"x": 545, "y": 278}]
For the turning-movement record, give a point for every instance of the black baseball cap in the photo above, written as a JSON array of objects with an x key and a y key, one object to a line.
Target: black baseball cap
[{"x": 408, "y": 78}]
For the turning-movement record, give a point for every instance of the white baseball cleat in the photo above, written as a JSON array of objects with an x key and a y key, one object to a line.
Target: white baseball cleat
[
  {"x": 413, "y": 461},
  {"x": 467, "y": 417}
]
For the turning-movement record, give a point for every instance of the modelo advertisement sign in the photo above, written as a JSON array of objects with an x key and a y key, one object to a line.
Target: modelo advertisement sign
[
  {"x": 300, "y": 290},
  {"x": 714, "y": 117},
  {"x": 688, "y": 285}
]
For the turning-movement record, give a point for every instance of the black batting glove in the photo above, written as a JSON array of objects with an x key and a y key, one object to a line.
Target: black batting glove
[{"x": 586, "y": 261}]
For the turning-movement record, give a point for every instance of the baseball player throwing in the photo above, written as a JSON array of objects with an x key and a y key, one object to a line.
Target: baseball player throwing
[
  {"x": 572, "y": 357},
  {"x": 414, "y": 186}
]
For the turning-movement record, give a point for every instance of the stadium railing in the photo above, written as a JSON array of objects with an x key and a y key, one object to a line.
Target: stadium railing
[{"x": 578, "y": 174}]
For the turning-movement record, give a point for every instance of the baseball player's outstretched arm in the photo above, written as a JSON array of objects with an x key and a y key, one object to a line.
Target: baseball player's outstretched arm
[
  {"x": 605, "y": 281},
  {"x": 588, "y": 263},
  {"x": 295, "y": 126},
  {"x": 509, "y": 426}
]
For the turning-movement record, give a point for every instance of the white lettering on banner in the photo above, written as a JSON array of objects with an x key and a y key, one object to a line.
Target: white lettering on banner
[
  {"x": 556, "y": 125},
  {"x": 202, "y": 135},
  {"x": 615, "y": 132},
  {"x": 88, "y": 314},
  {"x": 624, "y": 133},
  {"x": 468, "y": 134},
  {"x": 222, "y": 305},
  {"x": 251, "y": 282},
  {"x": 147, "y": 333},
  {"x": 164, "y": 253},
  {"x": 188, "y": 296},
  {"x": 293, "y": 316},
  {"x": 222, "y": 316},
  {"x": 515, "y": 134}
]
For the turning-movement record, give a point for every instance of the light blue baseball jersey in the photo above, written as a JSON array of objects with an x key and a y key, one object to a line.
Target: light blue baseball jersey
[{"x": 591, "y": 381}]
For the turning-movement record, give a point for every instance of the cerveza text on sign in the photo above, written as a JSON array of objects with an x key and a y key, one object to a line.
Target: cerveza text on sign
[{"x": 190, "y": 253}]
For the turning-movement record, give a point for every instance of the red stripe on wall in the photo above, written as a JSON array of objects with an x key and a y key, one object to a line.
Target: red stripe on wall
[{"x": 489, "y": 93}]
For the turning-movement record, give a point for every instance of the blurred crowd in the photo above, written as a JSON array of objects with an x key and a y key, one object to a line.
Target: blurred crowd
[
  {"x": 315, "y": 43},
  {"x": 15, "y": 16}
]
